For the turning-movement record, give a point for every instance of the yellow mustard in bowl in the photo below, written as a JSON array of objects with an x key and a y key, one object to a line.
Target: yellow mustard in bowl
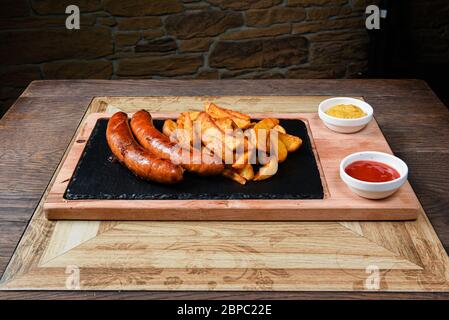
[{"x": 345, "y": 111}]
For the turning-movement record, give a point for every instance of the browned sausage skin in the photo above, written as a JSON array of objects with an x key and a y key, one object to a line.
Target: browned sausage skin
[
  {"x": 158, "y": 143},
  {"x": 141, "y": 162}
]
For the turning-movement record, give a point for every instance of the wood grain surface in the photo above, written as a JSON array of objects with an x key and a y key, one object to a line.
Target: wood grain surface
[
  {"x": 216, "y": 256},
  {"x": 339, "y": 203},
  {"x": 38, "y": 128}
]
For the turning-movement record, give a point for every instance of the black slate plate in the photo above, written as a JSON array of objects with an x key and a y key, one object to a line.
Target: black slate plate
[{"x": 97, "y": 177}]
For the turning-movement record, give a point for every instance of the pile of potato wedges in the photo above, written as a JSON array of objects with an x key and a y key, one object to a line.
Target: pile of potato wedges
[{"x": 242, "y": 143}]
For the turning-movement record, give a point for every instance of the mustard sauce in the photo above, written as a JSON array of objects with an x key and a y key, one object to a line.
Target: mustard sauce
[{"x": 345, "y": 111}]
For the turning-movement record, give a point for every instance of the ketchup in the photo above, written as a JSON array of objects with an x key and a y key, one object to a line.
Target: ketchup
[{"x": 371, "y": 171}]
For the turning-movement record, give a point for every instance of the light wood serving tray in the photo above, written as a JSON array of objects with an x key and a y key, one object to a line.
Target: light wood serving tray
[
  {"x": 361, "y": 256},
  {"x": 339, "y": 202}
]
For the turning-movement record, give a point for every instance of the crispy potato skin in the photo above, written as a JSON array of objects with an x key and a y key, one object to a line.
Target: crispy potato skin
[
  {"x": 241, "y": 120},
  {"x": 169, "y": 128},
  {"x": 141, "y": 162},
  {"x": 247, "y": 172},
  {"x": 292, "y": 143},
  {"x": 231, "y": 174}
]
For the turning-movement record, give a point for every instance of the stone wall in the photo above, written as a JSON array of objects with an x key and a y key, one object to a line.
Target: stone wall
[{"x": 210, "y": 39}]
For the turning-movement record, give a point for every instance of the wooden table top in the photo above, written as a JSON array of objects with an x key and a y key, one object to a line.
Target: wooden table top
[{"x": 37, "y": 129}]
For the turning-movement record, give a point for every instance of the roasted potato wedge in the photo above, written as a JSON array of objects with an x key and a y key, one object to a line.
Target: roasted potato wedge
[
  {"x": 238, "y": 114},
  {"x": 247, "y": 172},
  {"x": 267, "y": 124},
  {"x": 180, "y": 121},
  {"x": 215, "y": 111},
  {"x": 291, "y": 142},
  {"x": 213, "y": 137},
  {"x": 183, "y": 139},
  {"x": 241, "y": 120},
  {"x": 209, "y": 127},
  {"x": 225, "y": 124},
  {"x": 241, "y": 123},
  {"x": 241, "y": 150},
  {"x": 281, "y": 150},
  {"x": 181, "y": 136},
  {"x": 211, "y": 131},
  {"x": 188, "y": 127},
  {"x": 268, "y": 170},
  {"x": 262, "y": 132},
  {"x": 169, "y": 129},
  {"x": 241, "y": 161},
  {"x": 279, "y": 147},
  {"x": 279, "y": 128},
  {"x": 231, "y": 174},
  {"x": 193, "y": 115}
]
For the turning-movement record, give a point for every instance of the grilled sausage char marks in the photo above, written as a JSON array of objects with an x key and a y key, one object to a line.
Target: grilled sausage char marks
[
  {"x": 159, "y": 144},
  {"x": 140, "y": 161}
]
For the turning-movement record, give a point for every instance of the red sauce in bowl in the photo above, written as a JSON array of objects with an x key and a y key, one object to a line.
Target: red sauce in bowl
[{"x": 371, "y": 171}]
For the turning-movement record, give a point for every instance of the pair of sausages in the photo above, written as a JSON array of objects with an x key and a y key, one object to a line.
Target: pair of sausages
[{"x": 151, "y": 157}]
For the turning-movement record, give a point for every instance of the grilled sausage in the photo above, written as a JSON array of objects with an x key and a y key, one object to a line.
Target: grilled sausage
[
  {"x": 158, "y": 143},
  {"x": 141, "y": 162}
]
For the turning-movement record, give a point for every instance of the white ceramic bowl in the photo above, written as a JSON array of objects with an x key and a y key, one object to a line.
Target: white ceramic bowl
[
  {"x": 374, "y": 190},
  {"x": 345, "y": 125}
]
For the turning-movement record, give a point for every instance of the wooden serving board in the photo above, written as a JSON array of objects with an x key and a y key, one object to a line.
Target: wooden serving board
[
  {"x": 339, "y": 202},
  {"x": 359, "y": 256}
]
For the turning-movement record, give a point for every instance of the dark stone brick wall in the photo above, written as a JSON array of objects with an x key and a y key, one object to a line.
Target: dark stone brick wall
[{"x": 210, "y": 39}]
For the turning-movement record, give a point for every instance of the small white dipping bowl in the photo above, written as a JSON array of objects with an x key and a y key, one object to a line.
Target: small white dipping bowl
[
  {"x": 374, "y": 190},
  {"x": 345, "y": 125}
]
